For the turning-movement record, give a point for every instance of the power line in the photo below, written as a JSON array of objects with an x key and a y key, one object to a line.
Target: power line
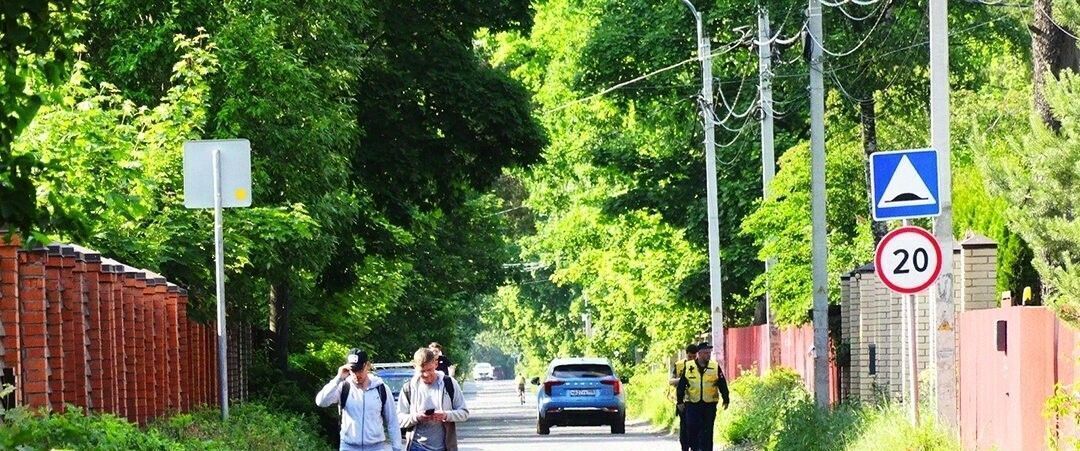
[
  {"x": 999, "y": 3},
  {"x": 844, "y": 2},
  {"x": 1059, "y": 27},
  {"x": 860, "y": 19},
  {"x": 858, "y": 46},
  {"x": 727, "y": 49}
]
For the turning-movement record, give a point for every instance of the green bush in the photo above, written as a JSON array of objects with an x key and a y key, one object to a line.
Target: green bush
[
  {"x": 650, "y": 397},
  {"x": 24, "y": 429},
  {"x": 887, "y": 427},
  {"x": 776, "y": 412},
  {"x": 761, "y": 407},
  {"x": 250, "y": 427}
]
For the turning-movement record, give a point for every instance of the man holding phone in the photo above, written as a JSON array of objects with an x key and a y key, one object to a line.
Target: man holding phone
[{"x": 430, "y": 405}]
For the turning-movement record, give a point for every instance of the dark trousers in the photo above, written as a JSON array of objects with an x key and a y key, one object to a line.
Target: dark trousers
[
  {"x": 699, "y": 419},
  {"x": 685, "y": 443}
]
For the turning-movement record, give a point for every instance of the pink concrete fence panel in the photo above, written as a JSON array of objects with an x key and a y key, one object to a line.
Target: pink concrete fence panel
[
  {"x": 748, "y": 350},
  {"x": 1010, "y": 360}
]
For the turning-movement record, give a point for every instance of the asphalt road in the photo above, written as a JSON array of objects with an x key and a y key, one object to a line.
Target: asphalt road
[{"x": 498, "y": 422}]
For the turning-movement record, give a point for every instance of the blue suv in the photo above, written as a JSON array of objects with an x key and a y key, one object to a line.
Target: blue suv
[{"x": 580, "y": 392}]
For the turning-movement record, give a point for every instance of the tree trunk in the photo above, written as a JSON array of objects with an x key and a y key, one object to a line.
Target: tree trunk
[
  {"x": 868, "y": 121},
  {"x": 280, "y": 306},
  {"x": 1052, "y": 49}
]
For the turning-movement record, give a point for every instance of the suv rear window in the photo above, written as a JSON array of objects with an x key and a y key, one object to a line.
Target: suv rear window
[{"x": 582, "y": 370}]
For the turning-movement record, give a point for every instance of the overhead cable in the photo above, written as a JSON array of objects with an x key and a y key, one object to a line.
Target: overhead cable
[
  {"x": 736, "y": 44},
  {"x": 853, "y": 49}
]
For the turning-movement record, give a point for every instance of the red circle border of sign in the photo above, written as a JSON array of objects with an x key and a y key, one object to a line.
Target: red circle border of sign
[{"x": 894, "y": 234}]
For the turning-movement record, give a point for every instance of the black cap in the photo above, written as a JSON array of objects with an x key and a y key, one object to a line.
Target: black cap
[
  {"x": 704, "y": 345},
  {"x": 356, "y": 359},
  {"x": 691, "y": 348}
]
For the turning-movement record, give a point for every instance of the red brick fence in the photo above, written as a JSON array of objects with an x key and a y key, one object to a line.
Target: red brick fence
[{"x": 79, "y": 329}]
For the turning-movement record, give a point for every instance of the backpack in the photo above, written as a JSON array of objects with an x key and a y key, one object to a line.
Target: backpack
[
  {"x": 345, "y": 396},
  {"x": 448, "y": 383}
]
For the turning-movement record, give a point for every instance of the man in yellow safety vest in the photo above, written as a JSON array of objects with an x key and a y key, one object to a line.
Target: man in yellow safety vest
[{"x": 700, "y": 388}]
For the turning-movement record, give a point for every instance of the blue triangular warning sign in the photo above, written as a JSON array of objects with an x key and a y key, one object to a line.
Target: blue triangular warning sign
[{"x": 905, "y": 184}]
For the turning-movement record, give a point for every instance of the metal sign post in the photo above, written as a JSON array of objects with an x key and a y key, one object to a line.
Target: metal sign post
[
  {"x": 905, "y": 184},
  {"x": 229, "y": 164},
  {"x": 913, "y": 354},
  {"x": 908, "y": 260},
  {"x": 219, "y": 276}
]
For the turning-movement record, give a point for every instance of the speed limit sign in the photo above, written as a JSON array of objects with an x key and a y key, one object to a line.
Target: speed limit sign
[{"x": 908, "y": 260}]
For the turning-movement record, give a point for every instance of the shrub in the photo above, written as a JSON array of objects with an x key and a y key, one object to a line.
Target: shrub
[
  {"x": 251, "y": 426},
  {"x": 776, "y": 412},
  {"x": 650, "y": 397},
  {"x": 761, "y": 407},
  {"x": 24, "y": 429},
  {"x": 887, "y": 427}
]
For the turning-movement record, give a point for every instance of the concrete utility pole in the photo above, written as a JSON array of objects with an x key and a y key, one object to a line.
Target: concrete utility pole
[
  {"x": 943, "y": 312},
  {"x": 716, "y": 302},
  {"x": 817, "y": 208},
  {"x": 768, "y": 159}
]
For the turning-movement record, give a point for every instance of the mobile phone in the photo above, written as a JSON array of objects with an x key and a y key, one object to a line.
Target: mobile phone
[{"x": 429, "y": 412}]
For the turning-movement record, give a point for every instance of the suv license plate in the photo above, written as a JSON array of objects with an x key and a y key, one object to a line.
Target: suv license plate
[{"x": 581, "y": 392}]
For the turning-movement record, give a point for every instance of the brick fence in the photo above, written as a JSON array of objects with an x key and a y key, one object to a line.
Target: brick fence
[
  {"x": 80, "y": 330},
  {"x": 873, "y": 322}
]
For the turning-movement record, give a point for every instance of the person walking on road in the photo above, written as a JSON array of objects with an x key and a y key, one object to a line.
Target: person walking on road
[
  {"x": 430, "y": 406},
  {"x": 369, "y": 421},
  {"x": 444, "y": 363},
  {"x": 685, "y": 444},
  {"x": 701, "y": 386}
]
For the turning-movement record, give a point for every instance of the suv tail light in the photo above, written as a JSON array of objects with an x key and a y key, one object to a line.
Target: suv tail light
[
  {"x": 615, "y": 384},
  {"x": 551, "y": 383}
]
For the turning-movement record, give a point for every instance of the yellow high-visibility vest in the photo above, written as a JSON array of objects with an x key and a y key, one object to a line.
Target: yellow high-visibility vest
[
  {"x": 680, "y": 366},
  {"x": 701, "y": 387}
]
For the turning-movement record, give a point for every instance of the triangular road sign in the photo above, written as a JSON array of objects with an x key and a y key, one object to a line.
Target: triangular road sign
[
  {"x": 904, "y": 184},
  {"x": 906, "y": 188}
]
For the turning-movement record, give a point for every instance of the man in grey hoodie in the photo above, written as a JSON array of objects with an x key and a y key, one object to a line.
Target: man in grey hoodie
[
  {"x": 430, "y": 406},
  {"x": 368, "y": 420}
]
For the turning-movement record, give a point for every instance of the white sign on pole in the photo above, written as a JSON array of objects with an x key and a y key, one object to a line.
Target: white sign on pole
[
  {"x": 908, "y": 260},
  {"x": 235, "y": 173},
  {"x": 217, "y": 174}
]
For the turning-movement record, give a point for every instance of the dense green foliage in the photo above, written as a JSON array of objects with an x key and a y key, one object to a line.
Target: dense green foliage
[
  {"x": 615, "y": 213},
  {"x": 35, "y": 41},
  {"x": 479, "y": 172},
  {"x": 250, "y": 427}
]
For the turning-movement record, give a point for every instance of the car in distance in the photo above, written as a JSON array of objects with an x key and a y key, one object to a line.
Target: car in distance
[
  {"x": 394, "y": 375},
  {"x": 580, "y": 392},
  {"x": 483, "y": 371}
]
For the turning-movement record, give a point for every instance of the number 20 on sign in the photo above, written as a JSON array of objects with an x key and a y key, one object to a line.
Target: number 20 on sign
[{"x": 908, "y": 260}]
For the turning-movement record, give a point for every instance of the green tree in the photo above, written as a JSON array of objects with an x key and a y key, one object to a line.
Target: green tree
[{"x": 35, "y": 40}]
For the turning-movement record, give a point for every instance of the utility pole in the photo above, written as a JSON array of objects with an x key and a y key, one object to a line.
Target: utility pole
[
  {"x": 768, "y": 159},
  {"x": 817, "y": 209},
  {"x": 943, "y": 312},
  {"x": 716, "y": 303}
]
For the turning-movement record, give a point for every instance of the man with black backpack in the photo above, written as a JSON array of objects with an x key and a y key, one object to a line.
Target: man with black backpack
[
  {"x": 368, "y": 419},
  {"x": 430, "y": 406}
]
